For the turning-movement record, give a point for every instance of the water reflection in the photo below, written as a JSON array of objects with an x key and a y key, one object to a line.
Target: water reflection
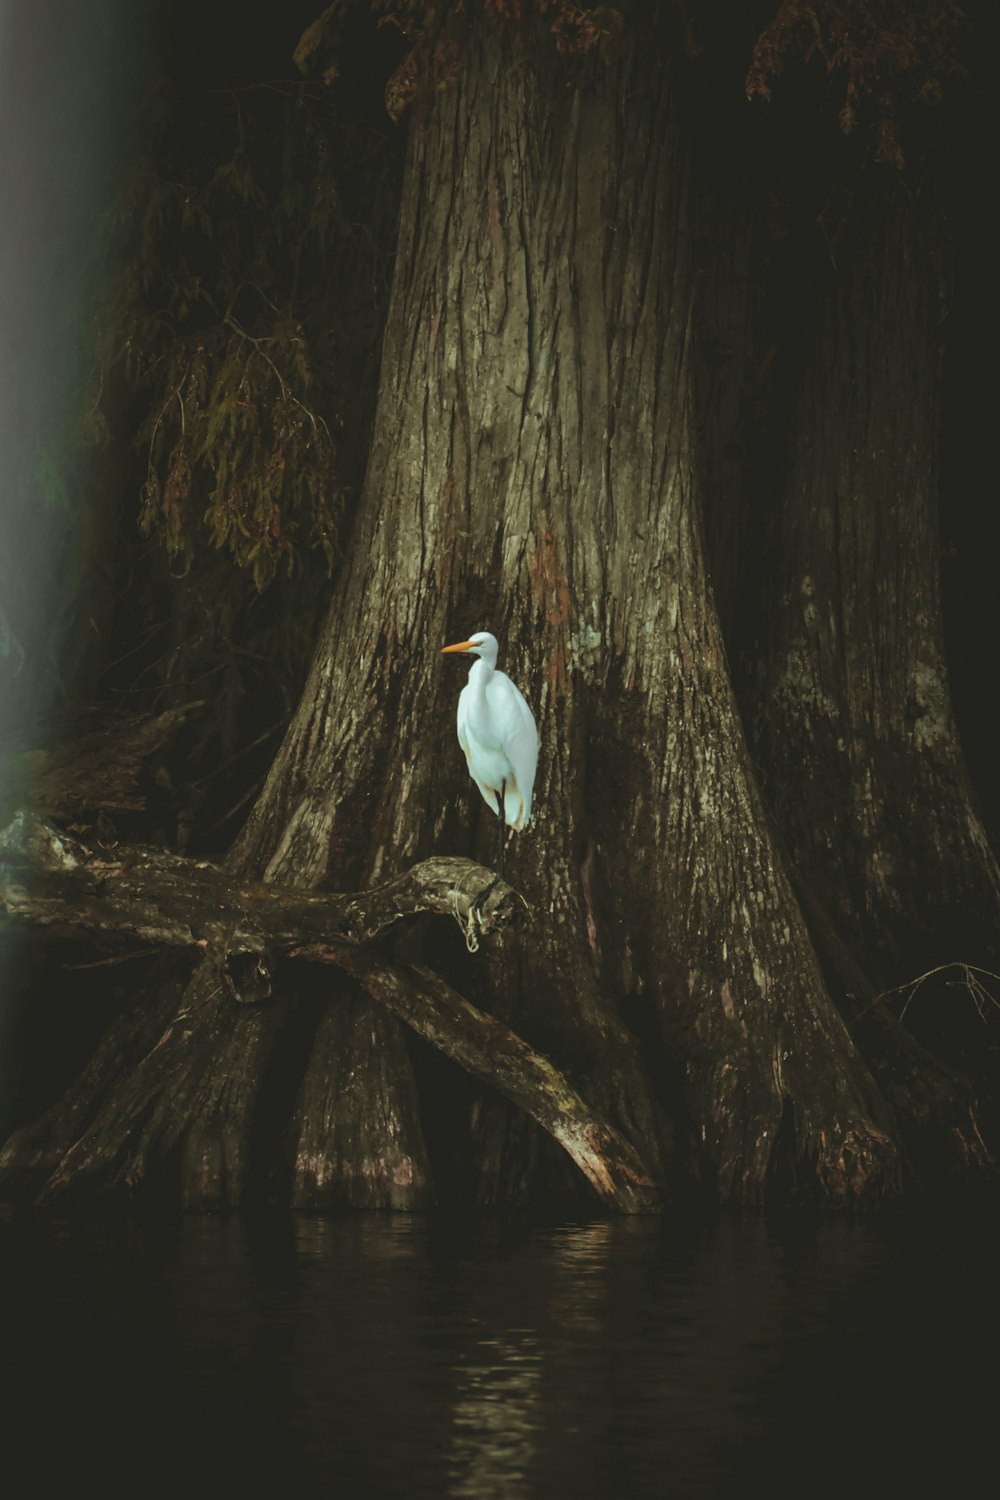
[
  {"x": 497, "y": 1415},
  {"x": 401, "y": 1356}
]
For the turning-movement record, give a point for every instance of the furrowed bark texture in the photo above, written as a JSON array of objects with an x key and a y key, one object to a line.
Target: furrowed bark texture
[
  {"x": 33, "y": 1153},
  {"x": 533, "y": 472},
  {"x": 851, "y": 706},
  {"x": 352, "y": 1149},
  {"x": 192, "y": 1092},
  {"x": 743, "y": 449}
]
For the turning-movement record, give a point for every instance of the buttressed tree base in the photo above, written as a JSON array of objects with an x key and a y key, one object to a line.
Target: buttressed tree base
[{"x": 751, "y": 817}]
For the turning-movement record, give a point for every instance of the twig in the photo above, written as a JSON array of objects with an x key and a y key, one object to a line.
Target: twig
[
  {"x": 969, "y": 980},
  {"x": 118, "y": 958},
  {"x": 258, "y": 343}
]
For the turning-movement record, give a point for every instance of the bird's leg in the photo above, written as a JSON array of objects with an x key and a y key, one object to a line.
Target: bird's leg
[
  {"x": 502, "y": 827},
  {"x": 480, "y": 900}
]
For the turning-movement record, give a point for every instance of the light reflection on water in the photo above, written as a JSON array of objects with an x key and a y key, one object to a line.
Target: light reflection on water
[{"x": 394, "y": 1356}]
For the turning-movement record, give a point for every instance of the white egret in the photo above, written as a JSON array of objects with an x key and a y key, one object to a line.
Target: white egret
[{"x": 496, "y": 729}]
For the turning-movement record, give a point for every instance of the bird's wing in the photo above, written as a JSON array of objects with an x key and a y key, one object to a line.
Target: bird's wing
[
  {"x": 519, "y": 738},
  {"x": 488, "y": 794},
  {"x": 463, "y": 738}
]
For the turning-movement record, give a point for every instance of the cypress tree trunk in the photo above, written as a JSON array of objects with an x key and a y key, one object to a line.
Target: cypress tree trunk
[
  {"x": 848, "y": 699},
  {"x": 851, "y": 709},
  {"x": 533, "y": 472}
]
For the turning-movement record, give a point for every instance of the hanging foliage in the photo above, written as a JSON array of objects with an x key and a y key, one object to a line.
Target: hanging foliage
[
  {"x": 233, "y": 343},
  {"x": 888, "y": 51},
  {"x": 435, "y": 34},
  {"x": 235, "y": 317}
]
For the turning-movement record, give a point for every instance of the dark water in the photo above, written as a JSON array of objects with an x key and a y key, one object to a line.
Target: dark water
[{"x": 395, "y": 1356}]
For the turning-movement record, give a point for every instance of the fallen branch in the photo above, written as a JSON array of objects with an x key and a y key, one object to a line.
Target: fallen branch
[
  {"x": 50, "y": 879},
  {"x": 488, "y": 1050}
]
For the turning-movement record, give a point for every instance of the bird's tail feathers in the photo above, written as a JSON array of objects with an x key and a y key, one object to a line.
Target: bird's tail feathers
[{"x": 516, "y": 813}]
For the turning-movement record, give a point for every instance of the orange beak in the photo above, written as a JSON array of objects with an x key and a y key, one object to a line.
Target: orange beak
[{"x": 461, "y": 646}]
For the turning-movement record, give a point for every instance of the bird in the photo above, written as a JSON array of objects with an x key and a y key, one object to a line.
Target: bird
[{"x": 497, "y": 731}]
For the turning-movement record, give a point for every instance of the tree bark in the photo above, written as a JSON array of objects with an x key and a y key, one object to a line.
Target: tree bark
[
  {"x": 533, "y": 471},
  {"x": 347, "y": 1153},
  {"x": 850, "y": 704},
  {"x": 167, "y": 900}
]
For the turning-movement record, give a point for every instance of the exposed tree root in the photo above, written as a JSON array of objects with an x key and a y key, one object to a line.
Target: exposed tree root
[
  {"x": 358, "y": 1142},
  {"x": 194, "y": 1085},
  {"x": 33, "y": 1153},
  {"x": 194, "y": 1089},
  {"x": 492, "y": 1052},
  {"x": 935, "y": 1105}
]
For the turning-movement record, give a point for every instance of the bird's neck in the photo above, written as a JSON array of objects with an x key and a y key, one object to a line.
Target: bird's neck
[{"x": 479, "y": 675}]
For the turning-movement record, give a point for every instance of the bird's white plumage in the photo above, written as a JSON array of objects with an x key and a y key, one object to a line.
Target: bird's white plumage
[{"x": 496, "y": 730}]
